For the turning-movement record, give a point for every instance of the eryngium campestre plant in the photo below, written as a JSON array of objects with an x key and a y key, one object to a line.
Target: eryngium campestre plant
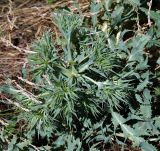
[{"x": 89, "y": 87}]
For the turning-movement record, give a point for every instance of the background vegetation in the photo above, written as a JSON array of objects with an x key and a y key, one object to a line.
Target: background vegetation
[{"x": 93, "y": 83}]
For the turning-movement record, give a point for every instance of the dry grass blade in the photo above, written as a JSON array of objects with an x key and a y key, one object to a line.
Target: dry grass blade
[
  {"x": 3, "y": 123},
  {"x": 26, "y": 93},
  {"x": 17, "y": 105}
]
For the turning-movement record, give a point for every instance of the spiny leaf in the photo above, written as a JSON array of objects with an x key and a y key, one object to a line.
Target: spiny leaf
[
  {"x": 134, "y": 2},
  {"x": 117, "y": 119},
  {"x": 145, "y": 146}
]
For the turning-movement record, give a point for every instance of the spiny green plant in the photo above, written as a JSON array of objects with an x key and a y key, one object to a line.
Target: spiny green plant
[{"x": 90, "y": 86}]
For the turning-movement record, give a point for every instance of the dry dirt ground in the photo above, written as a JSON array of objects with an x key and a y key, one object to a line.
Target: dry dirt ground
[{"x": 21, "y": 23}]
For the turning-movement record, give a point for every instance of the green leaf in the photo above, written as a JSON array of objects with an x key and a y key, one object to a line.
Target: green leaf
[
  {"x": 85, "y": 66},
  {"x": 143, "y": 64},
  {"x": 158, "y": 61},
  {"x": 117, "y": 119},
  {"x": 138, "y": 98},
  {"x": 138, "y": 44},
  {"x": 50, "y": 1},
  {"x": 143, "y": 84},
  {"x": 95, "y": 8},
  {"x": 134, "y": 2},
  {"x": 145, "y": 146},
  {"x": 12, "y": 144},
  {"x": 128, "y": 131},
  {"x": 117, "y": 15},
  {"x": 108, "y": 4},
  {"x": 146, "y": 111},
  {"x": 157, "y": 122},
  {"x": 23, "y": 144}
]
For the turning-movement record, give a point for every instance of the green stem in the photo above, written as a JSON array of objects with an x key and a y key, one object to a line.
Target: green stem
[
  {"x": 88, "y": 78},
  {"x": 68, "y": 48}
]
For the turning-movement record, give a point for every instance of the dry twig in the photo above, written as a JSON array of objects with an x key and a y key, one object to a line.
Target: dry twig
[
  {"x": 17, "y": 105},
  {"x": 149, "y": 13},
  {"x": 3, "y": 123}
]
